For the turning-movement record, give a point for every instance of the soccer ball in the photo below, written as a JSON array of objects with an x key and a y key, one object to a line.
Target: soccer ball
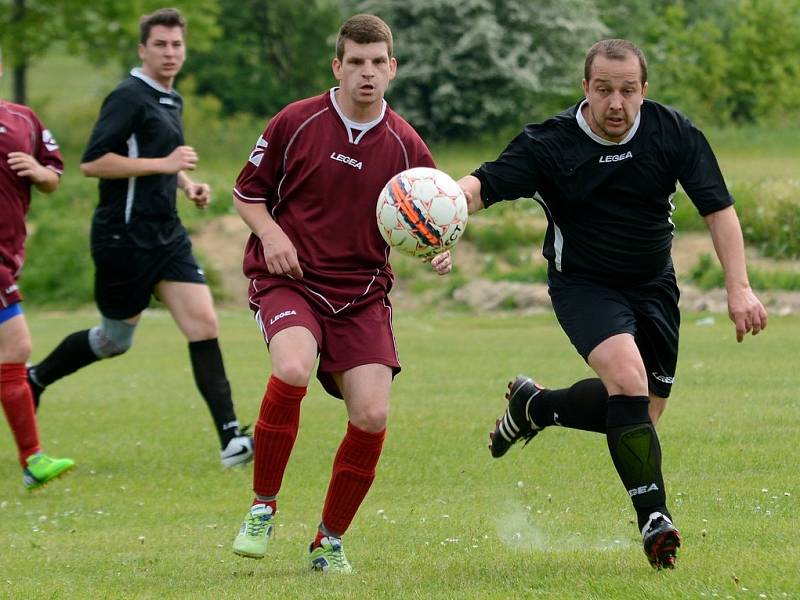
[{"x": 421, "y": 212}]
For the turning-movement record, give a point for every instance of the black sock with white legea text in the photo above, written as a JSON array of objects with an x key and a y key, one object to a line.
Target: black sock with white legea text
[
  {"x": 209, "y": 375},
  {"x": 636, "y": 452},
  {"x": 583, "y": 405}
]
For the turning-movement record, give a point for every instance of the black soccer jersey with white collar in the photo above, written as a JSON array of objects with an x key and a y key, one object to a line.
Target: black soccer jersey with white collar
[
  {"x": 139, "y": 119},
  {"x": 608, "y": 205}
]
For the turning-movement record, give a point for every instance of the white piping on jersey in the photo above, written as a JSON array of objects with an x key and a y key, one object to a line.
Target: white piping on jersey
[
  {"x": 31, "y": 126},
  {"x": 588, "y": 130},
  {"x": 402, "y": 145},
  {"x": 350, "y": 125},
  {"x": 672, "y": 208},
  {"x": 243, "y": 197},
  {"x": 558, "y": 238},
  {"x": 286, "y": 154},
  {"x": 133, "y": 152}
]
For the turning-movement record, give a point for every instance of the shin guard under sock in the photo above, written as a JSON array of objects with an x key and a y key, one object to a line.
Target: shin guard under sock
[
  {"x": 73, "y": 353},
  {"x": 276, "y": 430},
  {"x": 584, "y": 406},
  {"x": 353, "y": 474},
  {"x": 209, "y": 375},
  {"x": 15, "y": 396},
  {"x": 636, "y": 452}
]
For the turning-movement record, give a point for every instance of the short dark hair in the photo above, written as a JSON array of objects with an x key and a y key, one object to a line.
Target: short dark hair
[
  {"x": 615, "y": 49},
  {"x": 363, "y": 29},
  {"x": 168, "y": 17}
]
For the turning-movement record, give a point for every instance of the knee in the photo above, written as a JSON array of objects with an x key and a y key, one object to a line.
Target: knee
[
  {"x": 372, "y": 419},
  {"x": 111, "y": 338},
  {"x": 293, "y": 371},
  {"x": 627, "y": 379},
  {"x": 656, "y": 408},
  {"x": 18, "y": 352}
]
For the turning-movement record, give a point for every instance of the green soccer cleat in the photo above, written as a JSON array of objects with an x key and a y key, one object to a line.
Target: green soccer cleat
[
  {"x": 254, "y": 534},
  {"x": 329, "y": 557},
  {"x": 42, "y": 469}
]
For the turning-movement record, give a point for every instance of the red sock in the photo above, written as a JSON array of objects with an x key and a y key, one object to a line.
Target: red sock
[
  {"x": 276, "y": 431},
  {"x": 17, "y": 401},
  {"x": 353, "y": 474}
]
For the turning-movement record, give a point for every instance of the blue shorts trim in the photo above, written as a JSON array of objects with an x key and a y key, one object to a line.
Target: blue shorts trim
[{"x": 9, "y": 312}]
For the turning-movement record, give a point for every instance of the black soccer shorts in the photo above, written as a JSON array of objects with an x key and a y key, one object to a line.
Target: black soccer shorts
[
  {"x": 590, "y": 312},
  {"x": 125, "y": 276}
]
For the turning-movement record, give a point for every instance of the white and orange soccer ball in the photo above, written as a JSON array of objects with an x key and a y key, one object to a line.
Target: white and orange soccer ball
[{"x": 421, "y": 212}]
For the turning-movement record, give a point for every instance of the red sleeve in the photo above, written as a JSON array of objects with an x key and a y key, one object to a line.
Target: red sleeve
[
  {"x": 46, "y": 149},
  {"x": 259, "y": 178}
]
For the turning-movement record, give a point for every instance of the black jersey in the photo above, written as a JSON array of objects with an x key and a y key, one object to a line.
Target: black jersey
[
  {"x": 608, "y": 205},
  {"x": 139, "y": 119}
]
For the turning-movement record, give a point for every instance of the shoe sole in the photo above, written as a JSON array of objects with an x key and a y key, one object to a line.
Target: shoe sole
[
  {"x": 248, "y": 554},
  {"x": 46, "y": 483},
  {"x": 239, "y": 460},
  {"x": 663, "y": 552}
]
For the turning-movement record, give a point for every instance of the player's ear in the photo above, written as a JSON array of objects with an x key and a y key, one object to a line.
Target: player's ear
[
  {"x": 644, "y": 91},
  {"x": 392, "y": 68},
  {"x": 585, "y": 86},
  {"x": 336, "y": 67}
]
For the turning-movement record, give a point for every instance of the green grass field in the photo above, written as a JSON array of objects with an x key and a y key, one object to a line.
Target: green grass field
[{"x": 150, "y": 513}]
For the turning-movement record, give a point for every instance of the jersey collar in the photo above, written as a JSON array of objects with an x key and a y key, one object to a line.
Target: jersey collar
[
  {"x": 588, "y": 130},
  {"x": 137, "y": 72},
  {"x": 360, "y": 128}
]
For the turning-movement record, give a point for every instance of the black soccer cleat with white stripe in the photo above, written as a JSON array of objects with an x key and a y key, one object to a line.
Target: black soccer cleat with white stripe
[
  {"x": 661, "y": 541},
  {"x": 516, "y": 423}
]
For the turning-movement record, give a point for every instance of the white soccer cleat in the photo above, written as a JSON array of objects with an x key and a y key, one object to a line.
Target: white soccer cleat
[{"x": 238, "y": 451}]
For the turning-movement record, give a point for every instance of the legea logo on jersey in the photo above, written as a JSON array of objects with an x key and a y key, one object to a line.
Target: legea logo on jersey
[
  {"x": 616, "y": 157},
  {"x": 49, "y": 141},
  {"x": 279, "y": 316},
  {"x": 258, "y": 152},
  {"x": 347, "y": 160}
]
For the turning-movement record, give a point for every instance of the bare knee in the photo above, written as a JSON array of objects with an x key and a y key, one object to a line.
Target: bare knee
[
  {"x": 203, "y": 327},
  {"x": 19, "y": 352},
  {"x": 627, "y": 379},
  {"x": 293, "y": 371},
  {"x": 372, "y": 419}
]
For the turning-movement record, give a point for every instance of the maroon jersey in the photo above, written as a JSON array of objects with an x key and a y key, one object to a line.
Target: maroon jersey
[
  {"x": 320, "y": 175},
  {"x": 20, "y": 131}
]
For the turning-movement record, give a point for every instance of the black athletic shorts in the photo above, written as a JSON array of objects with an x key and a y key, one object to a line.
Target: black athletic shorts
[
  {"x": 590, "y": 312},
  {"x": 124, "y": 276}
]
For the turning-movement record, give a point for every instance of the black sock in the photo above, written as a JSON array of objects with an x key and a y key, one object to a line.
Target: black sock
[
  {"x": 73, "y": 353},
  {"x": 209, "y": 374},
  {"x": 581, "y": 406},
  {"x": 633, "y": 444}
]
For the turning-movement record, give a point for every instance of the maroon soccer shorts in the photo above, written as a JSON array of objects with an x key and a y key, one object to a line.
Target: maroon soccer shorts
[
  {"x": 359, "y": 335},
  {"x": 9, "y": 292}
]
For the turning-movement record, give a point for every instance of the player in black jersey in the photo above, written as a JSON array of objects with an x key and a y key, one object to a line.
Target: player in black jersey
[
  {"x": 605, "y": 172},
  {"x": 139, "y": 246}
]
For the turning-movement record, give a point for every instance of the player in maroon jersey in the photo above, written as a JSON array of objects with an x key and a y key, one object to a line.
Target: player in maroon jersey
[
  {"x": 29, "y": 156},
  {"x": 320, "y": 276}
]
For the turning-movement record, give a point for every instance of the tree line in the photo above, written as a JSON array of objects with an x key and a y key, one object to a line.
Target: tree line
[{"x": 467, "y": 67}]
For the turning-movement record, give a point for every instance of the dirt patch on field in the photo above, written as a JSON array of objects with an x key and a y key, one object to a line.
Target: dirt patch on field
[{"x": 222, "y": 242}]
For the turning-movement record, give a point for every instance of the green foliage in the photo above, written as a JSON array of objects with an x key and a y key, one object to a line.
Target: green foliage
[
  {"x": 268, "y": 54},
  {"x": 707, "y": 274},
  {"x": 470, "y": 66},
  {"x": 103, "y": 31}
]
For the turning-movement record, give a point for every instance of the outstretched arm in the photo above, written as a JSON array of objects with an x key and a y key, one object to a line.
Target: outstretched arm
[
  {"x": 744, "y": 308},
  {"x": 471, "y": 186}
]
